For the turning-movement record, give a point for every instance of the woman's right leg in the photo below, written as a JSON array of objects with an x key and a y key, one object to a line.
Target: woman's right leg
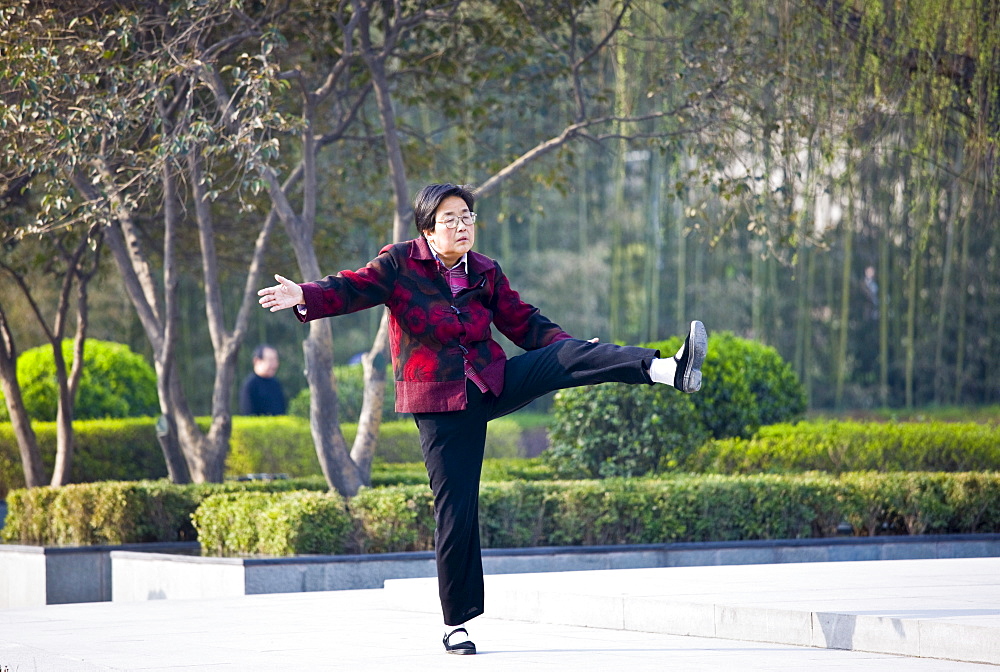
[
  {"x": 453, "y": 445},
  {"x": 570, "y": 363}
]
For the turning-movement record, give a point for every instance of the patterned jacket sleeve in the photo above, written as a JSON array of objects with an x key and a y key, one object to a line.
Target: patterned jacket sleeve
[
  {"x": 521, "y": 322},
  {"x": 350, "y": 291}
]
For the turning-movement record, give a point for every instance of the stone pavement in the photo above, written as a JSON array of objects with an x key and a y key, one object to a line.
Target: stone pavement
[{"x": 859, "y": 604}]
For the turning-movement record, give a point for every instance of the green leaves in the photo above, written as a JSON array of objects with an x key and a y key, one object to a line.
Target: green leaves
[
  {"x": 838, "y": 446},
  {"x": 631, "y": 430},
  {"x": 116, "y": 383},
  {"x": 289, "y": 523}
]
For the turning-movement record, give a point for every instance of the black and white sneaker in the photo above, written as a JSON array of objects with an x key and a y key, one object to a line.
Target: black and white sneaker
[{"x": 690, "y": 358}]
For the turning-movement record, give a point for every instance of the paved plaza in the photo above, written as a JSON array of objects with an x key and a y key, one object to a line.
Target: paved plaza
[{"x": 888, "y": 605}]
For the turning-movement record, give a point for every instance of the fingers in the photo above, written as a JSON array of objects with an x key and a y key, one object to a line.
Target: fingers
[
  {"x": 281, "y": 296},
  {"x": 595, "y": 339}
]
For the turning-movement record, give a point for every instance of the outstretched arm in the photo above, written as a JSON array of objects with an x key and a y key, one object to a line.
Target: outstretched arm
[{"x": 285, "y": 294}]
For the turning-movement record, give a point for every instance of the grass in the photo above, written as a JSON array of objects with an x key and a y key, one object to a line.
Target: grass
[{"x": 983, "y": 414}]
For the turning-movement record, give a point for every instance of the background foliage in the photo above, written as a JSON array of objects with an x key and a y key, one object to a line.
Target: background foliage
[
  {"x": 116, "y": 382},
  {"x": 817, "y": 139},
  {"x": 631, "y": 430}
]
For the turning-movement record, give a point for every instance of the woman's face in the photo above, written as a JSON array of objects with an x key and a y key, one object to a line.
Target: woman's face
[{"x": 451, "y": 244}]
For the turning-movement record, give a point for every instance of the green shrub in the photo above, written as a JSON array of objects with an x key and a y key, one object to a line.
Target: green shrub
[
  {"x": 398, "y": 473},
  {"x": 746, "y": 385},
  {"x": 11, "y": 471},
  {"x": 377, "y": 521},
  {"x": 836, "y": 447},
  {"x": 271, "y": 445},
  {"x": 630, "y": 430},
  {"x": 350, "y": 394},
  {"x": 122, "y": 449},
  {"x": 115, "y": 383},
  {"x": 621, "y": 430},
  {"x": 989, "y": 414},
  {"x": 277, "y": 519},
  {"x": 399, "y": 518},
  {"x": 289, "y": 523},
  {"x": 514, "y": 514},
  {"x": 680, "y": 508},
  {"x": 284, "y": 444},
  {"x": 114, "y": 512},
  {"x": 227, "y": 524},
  {"x": 98, "y": 513}
]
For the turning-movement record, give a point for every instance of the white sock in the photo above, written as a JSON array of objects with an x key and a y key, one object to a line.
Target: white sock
[{"x": 662, "y": 370}]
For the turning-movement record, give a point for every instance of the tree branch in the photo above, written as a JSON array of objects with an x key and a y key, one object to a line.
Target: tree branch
[
  {"x": 133, "y": 278},
  {"x": 209, "y": 258}
]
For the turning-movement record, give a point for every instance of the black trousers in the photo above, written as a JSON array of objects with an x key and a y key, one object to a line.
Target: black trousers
[{"x": 453, "y": 444}]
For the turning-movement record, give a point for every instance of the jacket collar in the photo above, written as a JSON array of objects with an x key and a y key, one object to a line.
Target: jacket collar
[{"x": 478, "y": 263}]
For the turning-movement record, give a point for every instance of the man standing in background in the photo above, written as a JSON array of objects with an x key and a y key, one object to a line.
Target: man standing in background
[{"x": 261, "y": 393}]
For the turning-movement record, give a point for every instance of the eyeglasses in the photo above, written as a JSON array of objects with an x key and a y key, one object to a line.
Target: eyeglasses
[{"x": 451, "y": 221}]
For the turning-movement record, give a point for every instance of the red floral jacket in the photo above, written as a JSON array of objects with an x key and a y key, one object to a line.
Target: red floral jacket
[{"x": 431, "y": 333}]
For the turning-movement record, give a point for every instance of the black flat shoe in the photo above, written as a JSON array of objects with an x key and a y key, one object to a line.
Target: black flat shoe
[{"x": 462, "y": 648}]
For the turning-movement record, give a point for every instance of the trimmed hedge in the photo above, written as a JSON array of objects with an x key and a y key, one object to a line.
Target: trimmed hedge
[
  {"x": 122, "y": 449},
  {"x": 621, "y": 430},
  {"x": 287, "y": 523},
  {"x": 113, "y": 512},
  {"x": 391, "y": 519},
  {"x": 130, "y": 512},
  {"x": 680, "y": 508},
  {"x": 242, "y": 518},
  {"x": 633, "y": 430},
  {"x": 494, "y": 469},
  {"x": 838, "y": 447},
  {"x": 284, "y": 444},
  {"x": 127, "y": 450}
]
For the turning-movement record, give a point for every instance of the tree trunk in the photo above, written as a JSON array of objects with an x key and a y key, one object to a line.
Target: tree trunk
[
  {"x": 324, "y": 421},
  {"x": 911, "y": 319},
  {"x": 24, "y": 433},
  {"x": 954, "y": 212},
  {"x": 166, "y": 432},
  {"x": 583, "y": 245},
  {"x": 683, "y": 267},
  {"x": 331, "y": 448},
  {"x": 845, "y": 311},
  {"x": 363, "y": 450},
  {"x": 373, "y": 364},
  {"x": 883, "y": 315},
  {"x": 654, "y": 259},
  {"x": 807, "y": 337},
  {"x": 214, "y": 445},
  {"x": 802, "y": 316},
  {"x": 64, "y": 421},
  {"x": 960, "y": 319},
  {"x": 130, "y": 259}
]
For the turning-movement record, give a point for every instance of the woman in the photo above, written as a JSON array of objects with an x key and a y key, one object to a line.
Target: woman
[{"x": 454, "y": 378}]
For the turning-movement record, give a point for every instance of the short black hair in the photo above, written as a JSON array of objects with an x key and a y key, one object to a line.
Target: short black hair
[
  {"x": 426, "y": 203},
  {"x": 258, "y": 352}
]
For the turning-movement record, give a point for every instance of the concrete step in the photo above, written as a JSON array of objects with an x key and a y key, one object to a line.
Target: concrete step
[{"x": 943, "y": 608}]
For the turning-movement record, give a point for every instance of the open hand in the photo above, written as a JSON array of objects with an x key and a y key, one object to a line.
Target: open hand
[{"x": 281, "y": 296}]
